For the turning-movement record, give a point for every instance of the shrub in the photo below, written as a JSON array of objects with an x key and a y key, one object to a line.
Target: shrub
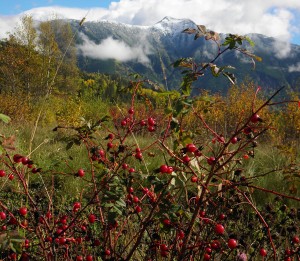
[{"x": 150, "y": 188}]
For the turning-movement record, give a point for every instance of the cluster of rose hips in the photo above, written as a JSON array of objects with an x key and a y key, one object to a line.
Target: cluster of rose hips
[{"x": 17, "y": 158}]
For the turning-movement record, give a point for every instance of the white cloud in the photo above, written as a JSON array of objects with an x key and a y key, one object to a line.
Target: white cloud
[
  {"x": 294, "y": 68},
  {"x": 110, "y": 48},
  {"x": 7, "y": 25}
]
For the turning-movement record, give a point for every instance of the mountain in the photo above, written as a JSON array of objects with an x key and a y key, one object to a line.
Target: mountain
[{"x": 111, "y": 47}]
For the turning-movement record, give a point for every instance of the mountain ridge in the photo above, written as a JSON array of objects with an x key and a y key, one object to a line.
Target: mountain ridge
[{"x": 163, "y": 43}]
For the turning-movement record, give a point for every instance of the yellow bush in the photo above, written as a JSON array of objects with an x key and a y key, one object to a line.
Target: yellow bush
[{"x": 15, "y": 106}]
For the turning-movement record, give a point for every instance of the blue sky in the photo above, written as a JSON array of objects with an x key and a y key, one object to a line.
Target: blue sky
[
  {"x": 275, "y": 18},
  {"x": 11, "y": 7}
]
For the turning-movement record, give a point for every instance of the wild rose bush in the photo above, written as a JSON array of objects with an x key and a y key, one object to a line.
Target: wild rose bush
[{"x": 152, "y": 190}]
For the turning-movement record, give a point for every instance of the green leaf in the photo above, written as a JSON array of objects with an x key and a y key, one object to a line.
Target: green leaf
[
  {"x": 117, "y": 210},
  {"x": 5, "y": 118},
  {"x": 252, "y": 44},
  {"x": 69, "y": 145},
  {"x": 177, "y": 63},
  {"x": 159, "y": 187},
  {"x": 121, "y": 203},
  {"x": 174, "y": 124},
  {"x": 173, "y": 182},
  {"x": 111, "y": 217},
  {"x": 105, "y": 118}
]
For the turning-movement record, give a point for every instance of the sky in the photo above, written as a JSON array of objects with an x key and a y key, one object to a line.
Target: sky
[{"x": 275, "y": 18}]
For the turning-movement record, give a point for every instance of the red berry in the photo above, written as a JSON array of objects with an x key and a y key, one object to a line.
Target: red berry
[
  {"x": 89, "y": 258},
  {"x": 191, "y": 147},
  {"x": 206, "y": 256},
  {"x": 24, "y": 256},
  {"x": 151, "y": 121},
  {"x": 101, "y": 153},
  {"x": 246, "y": 156},
  {"x": 35, "y": 170},
  {"x": 110, "y": 145},
  {"x": 151, "y": 128},
  {"x": 167, "y": 222},
  {"x": 170, "y": 170},
  {"x": 23, "y": 211},
  {"x": 164, "y": 169},
  {"x": 211, "y": 160},
  {"x": 255, "y": 118},
  {"x": 11, "y": 176},
  {"x": 164, "y": 253},
  {"x": 79, "y": 258},
  {"x": 138, "y": 209},
  {"x": 48, "y": 215},
  {"x": 2, "y": 173},
  {"x": 222, "y": 216},
  {"x": 202, "y": 214},
  {"x": 296, "y": 240},
  {"x": 130, "y": 190},
  {"x": 25, "y": 160},
  {"x": 263, "y": 252},
  {"x": 164, "y": 247},
  {"x": 131, "y": 111},
  {"x": 79, "y": 240},
  {"x": 123, "y": 123},
  {"x": 215, "y": 244},
  {"x": 247, "y": 130},
  {"x": 63, "y": 220},
  {"x": 2, "y": 215},
  {"x": 234, "y": 140},
  {"x": 288, "y": 252},
  {"x": 96, "y": 242},
  {"x": 221, "y": 139},
  {"x": 145, "y": 190},
  {"x": 24, "y": 223},
  {"x": 186, "y": 159},
  {"x": 125, "y": 166},
  {"x": 194, "y": 179},
  {"x": 12, "y": 221},
  {"x": 219, "y": 229},
  {"x": 139, "y": 155},
  {"x": 92, "y": 218},
  {"x": 180, "y": 234},
  {"x": 76, "y": 206},
  {"x": 131, "y": 170},
  {"x": 80, "y": 172},
  {"x": 143, "y": 123},
  {"x": 17, "y": 158},
  {"x": 62, "y": 241},
  {"x": 287, "y": 258},
  {"x": 107, "y": 252},
  {"x": 208, "y": 250},
  {"x": 111, "y": 136},
  {"x": 232, "y": 243},
  {"x": 135, "y": 199}
]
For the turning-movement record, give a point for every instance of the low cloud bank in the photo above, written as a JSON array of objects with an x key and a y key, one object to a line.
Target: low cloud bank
[
  {"x": 294, "y": 68},
  {"x": 111, "y": 48}
]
